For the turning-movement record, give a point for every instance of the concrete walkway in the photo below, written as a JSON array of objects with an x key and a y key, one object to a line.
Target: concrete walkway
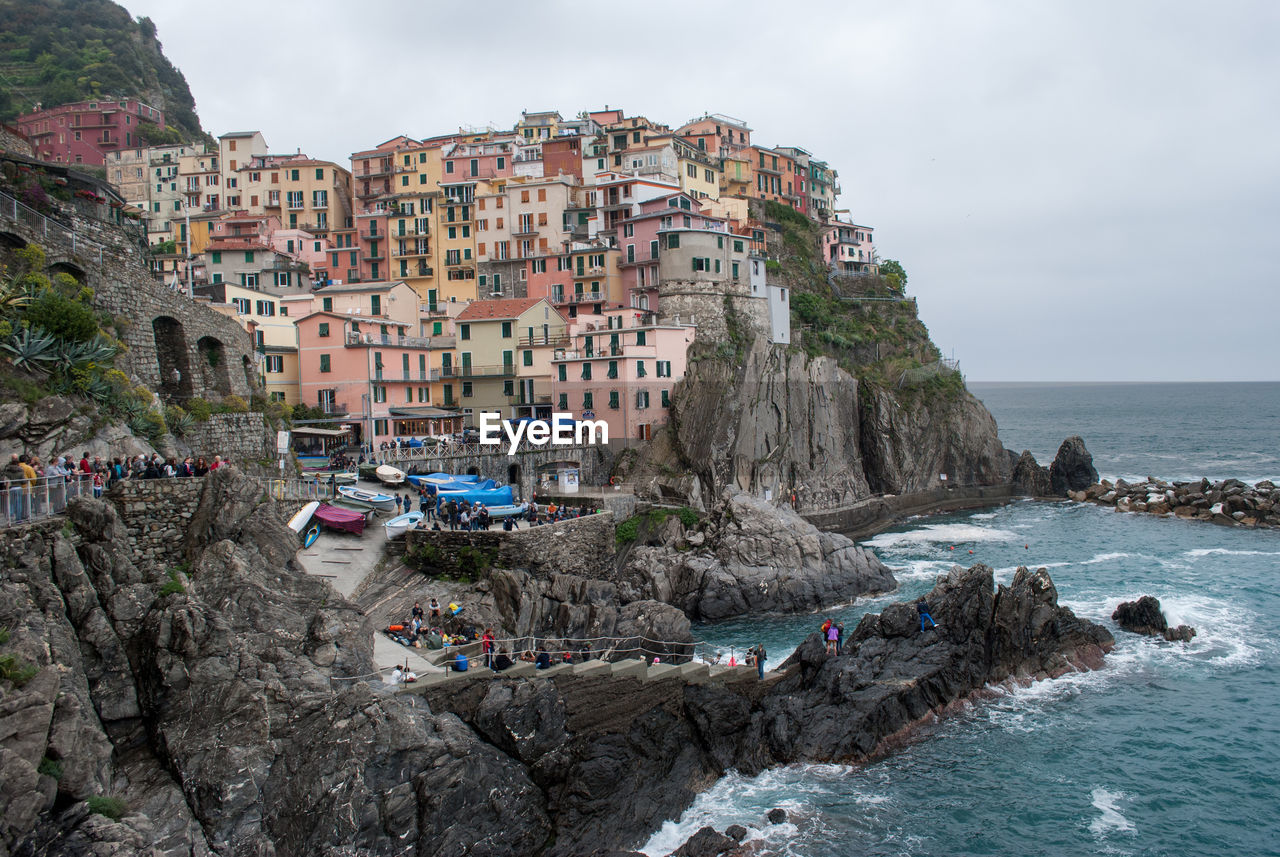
[{"x": 345, "y": 560}]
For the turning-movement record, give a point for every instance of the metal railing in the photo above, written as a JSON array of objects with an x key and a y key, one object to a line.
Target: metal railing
[
  {"x": 12, "y": 209},
  {"x": 443, "y": 450},
  {"x": 294, "y": 489},
  {"x": 25, "y": 500}
]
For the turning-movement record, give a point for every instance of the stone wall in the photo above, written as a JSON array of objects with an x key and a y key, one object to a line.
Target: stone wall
[
  {"x": 870, "y": 516},
  {"x": 165, "y": 330},
  {"x": 703, "y": 303},
  {"x": 585, "y": 547},
  {"x": 239, "y": 438},
  {"x": 156, "y": 514}
]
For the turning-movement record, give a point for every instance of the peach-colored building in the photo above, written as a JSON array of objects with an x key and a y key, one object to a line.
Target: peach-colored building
[
  {"x": 621, "y": 366},
  {"x": 373, "y": 369},
  {"x": 849, "y": 248}
]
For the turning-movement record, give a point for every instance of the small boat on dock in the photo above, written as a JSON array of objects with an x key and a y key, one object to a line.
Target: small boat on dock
[
  {"x": 401, "y": 524},
  {"x": 388, "y": 475},
  {"x": 367, "y": 499},
  {"x": 298, "y": 522},
  {"x": 336, "y": 518}
]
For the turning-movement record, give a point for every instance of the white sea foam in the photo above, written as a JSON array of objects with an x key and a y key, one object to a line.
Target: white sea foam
[
  {"x": 948, "y": 534},
  {"x": 983, "y": 516},
  {"x": 737, "y": 799},
  {"x": 1105, "y": 557},
  {"x": 1197, "y": 553},
  {"x": 1110, "y": 818}
]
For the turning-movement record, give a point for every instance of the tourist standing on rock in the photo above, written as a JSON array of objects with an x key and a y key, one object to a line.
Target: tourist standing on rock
[
  {"x": 760, "y": 659},
  {"x": 833, "y": 639},
  {"x": 839, "y": 637},
  {"x": 922, "y": 607},
  {"x": 486, "y": 645}
]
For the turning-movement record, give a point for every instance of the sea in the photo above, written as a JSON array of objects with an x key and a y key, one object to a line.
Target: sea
[{"x": 1170, "y": 749}]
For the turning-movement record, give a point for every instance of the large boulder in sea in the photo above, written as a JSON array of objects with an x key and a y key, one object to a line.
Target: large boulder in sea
[
  {"x": 1030, "y": 478},
  {"x": 1072, "y": 468},
  {"x": 1144, "y": 616}
]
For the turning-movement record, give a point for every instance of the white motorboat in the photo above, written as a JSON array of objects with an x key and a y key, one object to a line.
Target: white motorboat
[
  {"x": 389, "y": 475},
  {"x": 367, "y": 499},
  {"x": 401, "y": 524}
]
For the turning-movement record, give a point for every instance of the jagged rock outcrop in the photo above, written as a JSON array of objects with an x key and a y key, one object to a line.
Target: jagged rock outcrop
[
  {"x": 1030, "y": 478},
  {"x": 616, "y": 757},
  {"x": 784, "y": 422},
  {"x": 757, "y": 558},
  {"x": 1072, "y": 468},
  {"x": 1144, "y": 616},
  {"x": 220, "y": 714}
]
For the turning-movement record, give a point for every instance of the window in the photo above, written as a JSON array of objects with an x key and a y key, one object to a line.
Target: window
[
  {"x": 666, "y": 398},
  {"x": 673, "y": 241},
  {"x": 324, "y": 362},
  {"x": 375, "y": 304},
  {"x": 267, "y": 308},
  {"x": 277, "y": 396},
  {"x": 408, "y": 395},
  {"x": 737, "y": 246},
  {"x": 327, "y": 303},
  {"x": 701, "y": 263},
  {"x": 275, "y": 363},
  {"x": 664, "y": 368},
  {"x": 323, "y": 329},
  {"x": 379, "y": 427},
  {"x": 640, "y": 370},
  {"x": 586, "y": 371},
  {"x": 248, "y": 255},
  {"x": 631, "y": 253},
  {"x": 563, "y": 372},
  {"x": 241, "y": 305},
  {"x": 563, "y": 403},
  {"x": 506, "y": 328},
  {"x": 528, "y": 358},
  {"x": 588, "y": 401},
  {"x": 653, "y": 249},
  {"x": 642, "y": 399},
  {"x": 216, "y": 257},
  {"x": 613, "y": 369},
  {"x": 467, "y": 389},
  {"x": 613, "y": 399},
  {"x": 464, "y": 331},
  {"x": 379, "y": 394},
  {"x": 448, "y": 166}
]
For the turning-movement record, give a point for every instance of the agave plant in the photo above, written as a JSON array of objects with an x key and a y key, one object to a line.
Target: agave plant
[
  {"x": 179, "y": 424},
  {"x": 99, "y": 390},
  {"x": 31, "y": 349}
]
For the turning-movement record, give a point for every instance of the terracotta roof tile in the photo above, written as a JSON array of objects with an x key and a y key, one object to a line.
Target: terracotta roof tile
[{"x": 496, "y": 309}]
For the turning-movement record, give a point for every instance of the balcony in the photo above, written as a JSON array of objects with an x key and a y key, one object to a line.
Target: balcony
[
  {"x": 383, "y": 169},
  {"x": 577, "y": 297},
  {"x": 537, "y": 399},
  {"x": 424, "y": 250},
  {"x": 372, "y": 255},
  {"x": 520, "y": 231},
  {"x": 436, "y": 309},
  {"x": 289, "y": 265},
  {"x": 358, "y": 339},
  {"x": 408, "y": 232},
  {"x": 425, "y": 270},
  {"x": 334, "y": 408},
  {"x": 559, "y": 341},
  {"x": 272, "y": 203},
  {"x": 445, "y": 373},
  {"x": 372, "y": 235}
]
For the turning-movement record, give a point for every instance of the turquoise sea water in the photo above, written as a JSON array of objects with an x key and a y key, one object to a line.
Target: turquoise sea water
[{"x": 1171, "y": 749}]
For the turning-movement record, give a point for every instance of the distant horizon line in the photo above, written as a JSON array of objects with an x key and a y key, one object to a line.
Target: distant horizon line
[{"x": 1118, "y": 383}]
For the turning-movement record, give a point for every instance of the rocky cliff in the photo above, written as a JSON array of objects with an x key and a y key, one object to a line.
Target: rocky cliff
[
  {"x": 220, "y": 709},
  {"x": 781, "y": 422}
]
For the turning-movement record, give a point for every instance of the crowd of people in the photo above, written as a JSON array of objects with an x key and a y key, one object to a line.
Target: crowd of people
[
  {"x": 30, "y": 487},
  {"x": 465, "y": 515}
]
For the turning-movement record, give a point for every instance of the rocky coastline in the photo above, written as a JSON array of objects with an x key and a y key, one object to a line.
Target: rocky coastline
[
  {"x": 225, "y": 706},
  {"x": 1229, "y": 502}
]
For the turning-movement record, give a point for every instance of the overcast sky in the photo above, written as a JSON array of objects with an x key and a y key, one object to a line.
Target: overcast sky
[{"x": 1078, "y": 190}]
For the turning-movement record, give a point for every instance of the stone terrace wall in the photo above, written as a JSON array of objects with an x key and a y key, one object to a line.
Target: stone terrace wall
[
  {"x": 238, "y": 438},
  {"x": 156, "y": 514},
  {"x": 582, "y": 546},
  {"x": 212, "y": 352}
]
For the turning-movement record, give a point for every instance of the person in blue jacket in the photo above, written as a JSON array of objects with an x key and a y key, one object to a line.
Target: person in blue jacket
[
  {"x": 544, "y": 659},
  {"x": 460, "y": 662}
]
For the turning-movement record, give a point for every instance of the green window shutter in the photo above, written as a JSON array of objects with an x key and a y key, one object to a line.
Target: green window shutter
[
  {"x": 564, "y": 401},
  {"x": 506, "y": 330},
  {"x": 564, "y": 372},
  {"x": 588, "y": 401},
  {"x": 324, "y": 328},
  {"x": 248, "y": 255},
  {"x": 666, "y": 398},
  {"x": 613, "y": 399},
  {"x": 324, "y": 362},
  {"x": 528, "y": 358},
  {"x": 328, "y": 304},
  {"x": 217, "y": 257}
]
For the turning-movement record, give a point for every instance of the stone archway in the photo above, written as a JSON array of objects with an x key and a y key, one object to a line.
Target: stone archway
[
  {"x": 213, "y": 365},
  {"x": 172, "y": 358},
  {"x": 12, "y": 240},
  {"x": 513, "y": 474},
  {"x": 66, "y": 266}
]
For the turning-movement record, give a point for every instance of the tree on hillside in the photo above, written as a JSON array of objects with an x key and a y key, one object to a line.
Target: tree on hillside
[{"x": 894, "y": 274}]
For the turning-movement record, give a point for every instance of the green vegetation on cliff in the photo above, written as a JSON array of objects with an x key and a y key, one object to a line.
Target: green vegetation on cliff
[
  {"x": 866, "y": 322},
  {"x": 62, "y": 51}
]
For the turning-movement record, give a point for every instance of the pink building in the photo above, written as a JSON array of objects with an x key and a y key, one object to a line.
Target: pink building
[
  {"x": 466, "y": 161},
  {"x": 84, "y": 132},
  {"x": 621, "y": 367},
  {"x": 637, "y": 237},
  {"x": 849, "y": 248},
  {"x": 372, "y": 369}
]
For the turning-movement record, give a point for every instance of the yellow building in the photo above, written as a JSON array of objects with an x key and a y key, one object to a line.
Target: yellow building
[{"x": 504, "y": 358}]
